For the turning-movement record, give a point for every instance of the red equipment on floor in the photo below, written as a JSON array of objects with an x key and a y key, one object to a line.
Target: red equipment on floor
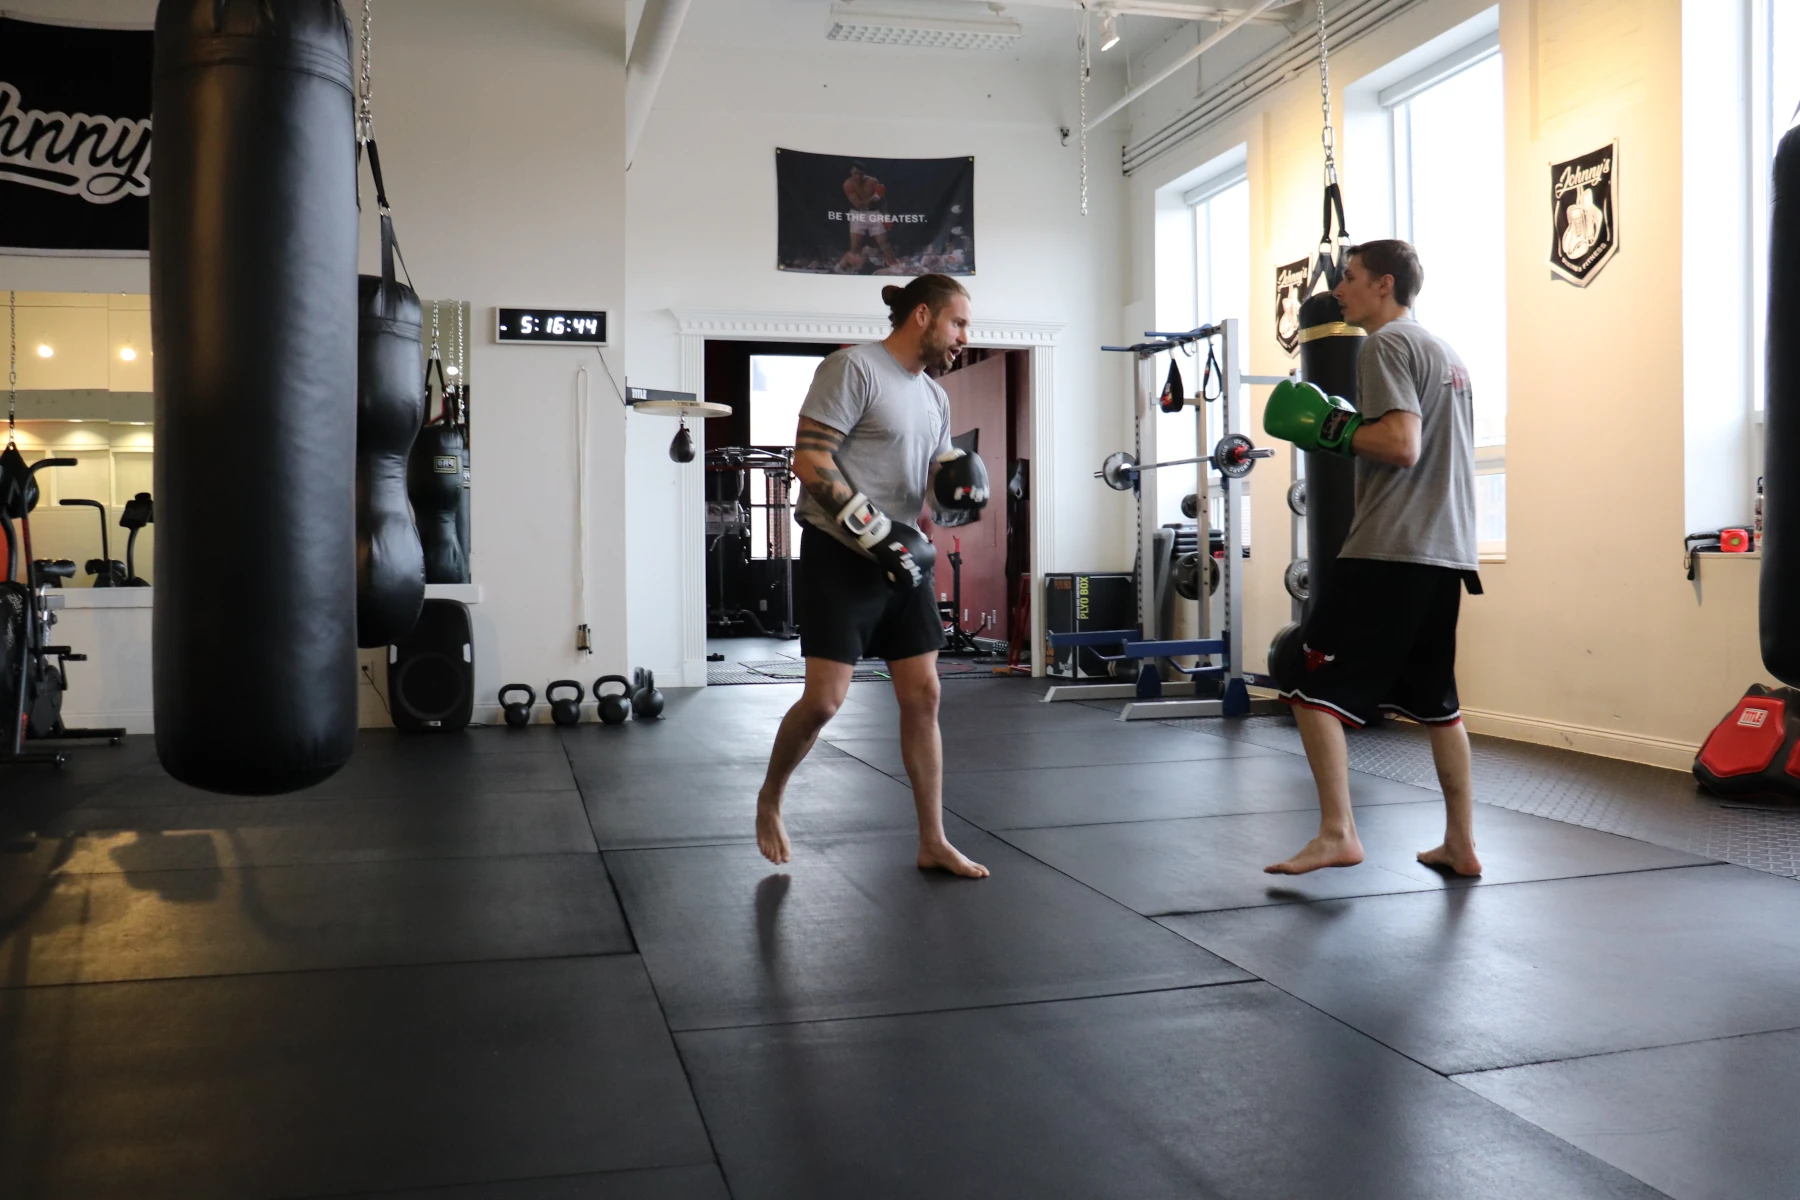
[{"x": 1754, "y": 750}]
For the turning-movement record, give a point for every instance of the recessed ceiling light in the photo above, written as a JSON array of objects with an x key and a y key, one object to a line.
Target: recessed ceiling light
[
  {"x": 128, "y": 354},
  {"x": 853, "y": 23},
  {"x": 45, "y": 351},
  {"x": 452, "y": 371}
]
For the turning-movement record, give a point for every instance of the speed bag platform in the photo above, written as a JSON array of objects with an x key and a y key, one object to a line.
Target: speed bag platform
[
  {"x": 431, "y": 671},
  {"x": 1754, "y": 750}
]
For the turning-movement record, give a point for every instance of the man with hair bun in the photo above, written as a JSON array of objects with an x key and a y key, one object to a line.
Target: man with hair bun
[
  {"x": 873, "y": 443},
  {"x": 1383, "y": 638}
]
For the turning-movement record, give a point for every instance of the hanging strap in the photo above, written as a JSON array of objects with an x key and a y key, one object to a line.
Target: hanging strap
[{"x": 1328, "y": 261}]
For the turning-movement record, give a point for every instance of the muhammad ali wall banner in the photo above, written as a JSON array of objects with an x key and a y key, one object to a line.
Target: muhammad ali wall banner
[
  {"x": 74, "y": 139},
  {"x": 874, "y": 216},
  {"x": 1584, "y": 214},
  {"x": 1290, "y": 290}
]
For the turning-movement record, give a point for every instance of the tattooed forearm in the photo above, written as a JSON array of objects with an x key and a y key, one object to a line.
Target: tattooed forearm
[{"x": 829, "y": 488}]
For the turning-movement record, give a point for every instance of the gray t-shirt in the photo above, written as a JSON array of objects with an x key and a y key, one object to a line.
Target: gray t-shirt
[
  {"x": 895, "y": 424},
  {"x": 1424, "y": 513}
]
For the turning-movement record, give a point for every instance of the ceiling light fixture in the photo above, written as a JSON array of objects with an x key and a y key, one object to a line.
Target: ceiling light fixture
[
  {"x": 45, "y": 351},
  {"x": 1109, "y": 30},
  {"x": 870, "y": 26},
  {"x": 128, "y": 354},
  {"x": 451, "y": 370}
]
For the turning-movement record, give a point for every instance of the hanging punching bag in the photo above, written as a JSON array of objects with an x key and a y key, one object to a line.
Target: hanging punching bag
[
  {"x": 434, "y": 480},
  {"x": 1780, "y": 592},
  {"x": 254, "y": 322},
  {"x": 390, "y": 407},
  {"x": 1328, "y": 353}
]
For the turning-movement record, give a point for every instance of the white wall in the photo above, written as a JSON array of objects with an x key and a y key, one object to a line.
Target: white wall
[
  {"x": 501, "y": 127},
  {"x": 702, "y": 235},
  {"x": 1589, "y": 635}
]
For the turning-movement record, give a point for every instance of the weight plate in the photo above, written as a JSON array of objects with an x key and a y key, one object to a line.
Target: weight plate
[
  {"x": 1187, "y": 577},
  {"x": 1230, "y": 456},
  {"x": 1297, "y": 579},
  {"x": 1118, "y": 471},
  {"x": 1190, "y": 505},
  {"x": 1212, "y": 574},
  {"x": 1297, "y": 498}
]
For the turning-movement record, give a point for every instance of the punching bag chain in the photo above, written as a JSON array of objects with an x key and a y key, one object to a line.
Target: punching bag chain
[
  {"x": 12, "y": 363},
  {"x": 434, "y": 331},
  {"x": 1326, "y": 136},
  {"x": 365, "y": 94},
  {"x": 1086, "y": 70}
]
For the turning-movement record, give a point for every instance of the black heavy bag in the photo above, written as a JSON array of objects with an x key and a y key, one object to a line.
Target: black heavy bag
[
  {"x": 1328, "y": 352},
  {"x": 434, "y": 480},
  {"x": 1781, "y": 428},
  {"x": 253, "y": 312},
  {"x": 390, "y": 406},
  {"x": 462, "y": 501}
]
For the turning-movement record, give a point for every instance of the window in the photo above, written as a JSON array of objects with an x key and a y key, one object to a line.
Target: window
[
  {"x": 1449, "y": 139},
  {"x": 1221, "y": 215},
  {"x": 778, "y": 385},
  {"x": 1775, "y": 94}
]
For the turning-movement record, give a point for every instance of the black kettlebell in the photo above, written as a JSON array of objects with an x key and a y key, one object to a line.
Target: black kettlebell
[
  {"x": 646, "y": 701},
  {"x": 614, "y": 706},
  {"x": 518, "y": 712},
  {"x": 564, "y": 711}
]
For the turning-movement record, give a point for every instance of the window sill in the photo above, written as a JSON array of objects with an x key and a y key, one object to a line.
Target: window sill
[{"x": 1491, "y": 556}]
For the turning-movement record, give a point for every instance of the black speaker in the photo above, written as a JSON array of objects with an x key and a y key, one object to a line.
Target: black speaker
[{"x": 431, "y": 671}]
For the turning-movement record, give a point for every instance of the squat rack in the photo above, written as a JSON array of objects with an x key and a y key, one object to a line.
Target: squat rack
[{"x": 1232, "y": 457}]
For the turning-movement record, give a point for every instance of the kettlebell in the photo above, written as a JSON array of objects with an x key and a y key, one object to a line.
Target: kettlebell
[
  {"x": 614, "y": 706},
  {"x": 518, "y": 712},
  {"x": 646, "y": 700},
  {"x": 564, "y": 711}
]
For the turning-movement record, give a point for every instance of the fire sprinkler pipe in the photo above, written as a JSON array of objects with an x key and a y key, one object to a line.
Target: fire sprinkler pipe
[
  {"x": 651, "y": 50},
  {"x": 1139, "y": 91}
]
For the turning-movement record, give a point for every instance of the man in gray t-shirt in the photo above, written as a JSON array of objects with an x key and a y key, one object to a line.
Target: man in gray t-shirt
[
  {"x": 873, "y": 442},
  {"x": 1382, "y": 639}
]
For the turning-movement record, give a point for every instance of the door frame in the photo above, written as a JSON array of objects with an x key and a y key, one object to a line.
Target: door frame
[{"x": 698, "y": 326}]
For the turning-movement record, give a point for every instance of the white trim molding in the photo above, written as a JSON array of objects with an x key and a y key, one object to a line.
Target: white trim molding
[
  {"x": 1606, "y": 743},
  {"x": 698, "y": 325}
]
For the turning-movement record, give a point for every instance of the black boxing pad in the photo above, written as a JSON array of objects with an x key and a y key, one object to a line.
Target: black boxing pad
[
  {"x": 390, "y": 407},
  {"x": 434, "y": 481},
  {"x": 1780, "y": 587},
  {"x": 1328, "y": 354},
  {"x": 253, "y": 315}
]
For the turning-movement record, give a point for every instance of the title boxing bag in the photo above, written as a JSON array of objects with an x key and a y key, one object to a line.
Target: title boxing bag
[
  {"x": 1328, "y": 353},
  {"x": 390, "y": 406},
  {"x": 434, "y": 480},
  {"x": 1780, "y": 589},
  {"x": 253, "y": 317},
  {"x": 462, "y": 501}
]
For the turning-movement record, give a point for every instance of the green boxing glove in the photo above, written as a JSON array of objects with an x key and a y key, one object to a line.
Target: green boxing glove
[{"x": 1302, "y": 414}]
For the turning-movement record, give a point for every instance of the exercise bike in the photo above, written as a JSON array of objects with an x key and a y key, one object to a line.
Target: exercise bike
[{"x": 34, "y": 674}]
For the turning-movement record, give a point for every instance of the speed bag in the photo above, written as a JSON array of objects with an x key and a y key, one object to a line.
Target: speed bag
[{"x": 1753, "y": 751}]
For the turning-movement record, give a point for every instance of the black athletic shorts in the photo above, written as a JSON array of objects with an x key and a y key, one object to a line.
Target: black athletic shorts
[
  {"x": 1383, "y": 640},
  {"x": 848, "y": 612}
]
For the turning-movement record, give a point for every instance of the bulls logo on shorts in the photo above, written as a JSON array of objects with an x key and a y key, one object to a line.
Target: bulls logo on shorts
[{"x": 1316, "y": 658}]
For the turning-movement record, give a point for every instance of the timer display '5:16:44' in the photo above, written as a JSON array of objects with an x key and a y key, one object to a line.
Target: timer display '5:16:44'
[{"x": 559, "y": 326}]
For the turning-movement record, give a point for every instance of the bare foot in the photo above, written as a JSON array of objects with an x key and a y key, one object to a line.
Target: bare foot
[
  {"x": 1457, "y": 862},
  {"x": 1322, "y": 851},
  {"x": 771, "y": 834},
  {"x": 945, "y": 857}
]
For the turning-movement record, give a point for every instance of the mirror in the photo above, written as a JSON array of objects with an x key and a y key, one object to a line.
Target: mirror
[{"x": 85, "y": 391}]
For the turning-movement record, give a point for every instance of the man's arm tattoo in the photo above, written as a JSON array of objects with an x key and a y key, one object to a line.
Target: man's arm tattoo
[{"x": 829, "y": 488}]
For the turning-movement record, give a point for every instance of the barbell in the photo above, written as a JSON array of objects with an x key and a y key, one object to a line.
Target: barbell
[{"x": 1232, "y": 457}]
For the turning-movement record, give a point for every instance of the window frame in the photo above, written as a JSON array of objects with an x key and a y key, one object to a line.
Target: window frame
[
  {"x": 1198, "y": 198},
  {"x": 1394, "y": 102}
]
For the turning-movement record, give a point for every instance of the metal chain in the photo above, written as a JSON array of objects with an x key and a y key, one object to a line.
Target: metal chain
[
  {"x": 462, "y": 362},
  {"x": 434, "y": 331},
  {"x": 12, "y": 362},
  {"x": 1327, "y": 136},
  {"x": 365, "y": 102},
  {"x": 1086, "y": 70}
]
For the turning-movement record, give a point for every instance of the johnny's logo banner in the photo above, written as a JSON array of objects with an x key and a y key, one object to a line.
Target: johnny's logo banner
[
  {"x": 1290, "y": 290},
  {"x": 875, "y": 216},
  {"x": 1584, "y": 214},
  {"x": 74, "y": 139}
]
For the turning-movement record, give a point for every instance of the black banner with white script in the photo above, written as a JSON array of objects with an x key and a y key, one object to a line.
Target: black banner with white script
[
  {"x": 1290, "y": 289},
  {"x": 1584, "y": 214},
  {"x": 74, "y": 139},
  {"x": 875, "y": 216}
]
